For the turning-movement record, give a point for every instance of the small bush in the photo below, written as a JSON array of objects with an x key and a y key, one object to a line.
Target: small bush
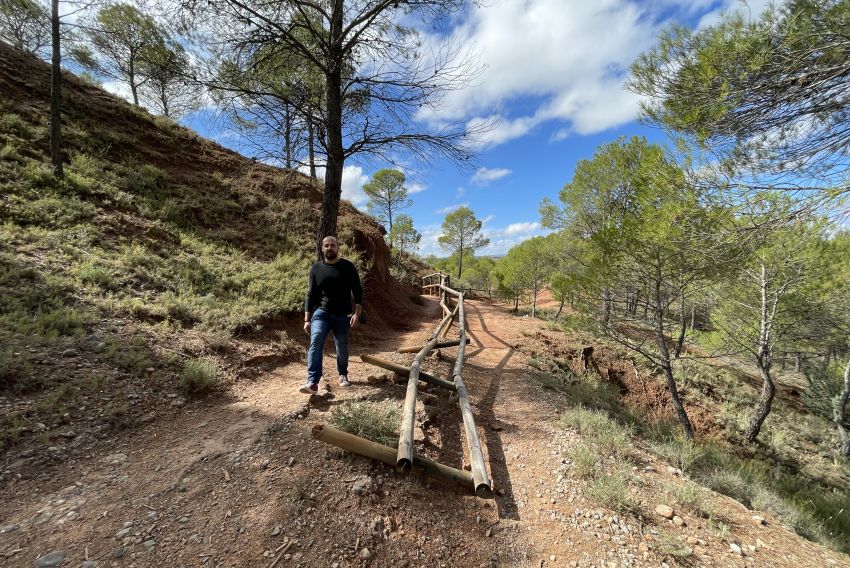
[
  {"x": 690, "y": 497},
  {"x": 128, "y": 354},
  {"x": 199, "y": 376},
  {"x": 683, "y": 454},
  {"x": 9, "y": 152},
  {"x": 91, "y": 273},
  {"x": 585, "y": 460},
  {"x": 14, "y": 124},
  {"x": 376, "y": 421},
  {"x": 671, "y": 545},
  {"x": 611, "y": 437},
  {"x": 612, "y": 491},
  {"x": 731, "y": 483},
  {"x": 15, "y": 371}
]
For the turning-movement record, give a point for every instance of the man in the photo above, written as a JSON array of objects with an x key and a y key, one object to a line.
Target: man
[{"x": 331, "y": 284}]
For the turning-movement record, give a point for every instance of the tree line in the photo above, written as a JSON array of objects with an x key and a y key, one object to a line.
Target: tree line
[{"x": 732, "y": 238}]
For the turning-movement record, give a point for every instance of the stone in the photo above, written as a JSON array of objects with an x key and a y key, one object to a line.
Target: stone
[
  {"x": 759, "y": 520},
  {"x": 276, "y": 530},
  {"x": 51, "y": 559},
  {"x": 89, "y": 564},
  {"x": 149, "y": 544},
  {"x": 665, "y": 511},
  {"x": 364, "y": 553},
  {"x": 69, "y": 353},
  {"x": 678, "y": 521},
  {"x": 551, "y": 558},
  {"x": 692, "y": 540},
  {"x": 118, "y": 553},
  {"x": 361, "y": 486},
  {"x": 736, "y": 549}
]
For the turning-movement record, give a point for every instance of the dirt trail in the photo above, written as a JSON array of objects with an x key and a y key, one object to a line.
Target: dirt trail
[{"x": 242, "y": 483}]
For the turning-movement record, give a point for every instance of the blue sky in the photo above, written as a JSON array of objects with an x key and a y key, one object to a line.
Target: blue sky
[{"x": 552, "y": 74}]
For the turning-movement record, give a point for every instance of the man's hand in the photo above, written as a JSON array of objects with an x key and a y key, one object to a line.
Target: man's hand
[
  {"x": 307, "y": 327},
  {"x": 355, "y": 319}
]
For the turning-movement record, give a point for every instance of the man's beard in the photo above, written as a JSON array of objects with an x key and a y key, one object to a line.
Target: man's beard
[{"x": 330, "y": 254}]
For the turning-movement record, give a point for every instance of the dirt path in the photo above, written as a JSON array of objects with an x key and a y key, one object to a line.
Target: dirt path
[{"x": 244, "y": 484}]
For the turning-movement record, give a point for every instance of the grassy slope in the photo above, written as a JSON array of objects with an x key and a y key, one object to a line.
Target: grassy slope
[
  {"x": 161, "y": 257},
  {"x": 793, "y": 471}
]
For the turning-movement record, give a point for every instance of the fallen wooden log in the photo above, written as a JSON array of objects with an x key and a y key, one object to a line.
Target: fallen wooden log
[
  {"x": 440, "y": 345},
  {"x": 404, "y": 461},
  {"x": 483, "y": 486},
  {"x": 387, "y": 455},
  {"x": 402, "y": 370}
]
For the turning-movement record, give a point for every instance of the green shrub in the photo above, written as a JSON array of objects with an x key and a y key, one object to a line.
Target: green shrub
[
  {"x": 376, "y": 421},
  {"x": 15, "y": 371},
  {"x": 199, "y": 376},
  {"x": 731, "y": 483},
  {"x": 610, "y": 436},
  {"x": 671, "y": 545},
  {"x": 54, "y": 212},
  {"x": 612, "y": 491},
  {"x": 144, "y": 179},
  {"x": 691, "y": 497},
  {"x": 90, "y": 272},
  {"x": 128, "y": 354},
  {"x": 585, "y": 460},
  {"x": 9, "y": 152},
  {"x": 11, "y": 123}
]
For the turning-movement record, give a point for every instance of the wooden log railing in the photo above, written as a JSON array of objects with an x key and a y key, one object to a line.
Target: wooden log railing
[{"x": 404, "y": 458}]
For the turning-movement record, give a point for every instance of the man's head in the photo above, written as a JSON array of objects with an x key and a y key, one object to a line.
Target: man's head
[{"x": 330, "y": 248}]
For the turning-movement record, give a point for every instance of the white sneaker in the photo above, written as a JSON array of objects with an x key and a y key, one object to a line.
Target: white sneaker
[{"x": 343, "y": 381}]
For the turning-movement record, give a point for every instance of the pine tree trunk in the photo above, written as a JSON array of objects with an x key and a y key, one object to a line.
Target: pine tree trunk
[
  {"x": 666, "y": 367},
  {"x": 839, "y": 413},
  {"x": 56, "y": 93},
  {"x": 336, "y": 156},
  {"x": 764, "y": 361},
  {"x": 287, "y": 135},
  {"x": 534, "y": 302},
  {"x": 768, "y": 392},
  {"x": 683, "y": 327},
  {"x": 311, "y": 142}
]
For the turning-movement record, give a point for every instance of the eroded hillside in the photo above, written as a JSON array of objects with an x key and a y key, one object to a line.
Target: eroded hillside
[{"x": 163, "y": 265}]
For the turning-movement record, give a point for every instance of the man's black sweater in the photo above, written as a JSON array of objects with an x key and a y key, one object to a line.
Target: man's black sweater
[{"x": 331, "y": 286}]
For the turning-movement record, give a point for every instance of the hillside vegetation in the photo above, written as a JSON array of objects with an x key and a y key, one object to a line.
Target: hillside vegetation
[{"x": 160, "y": 266}]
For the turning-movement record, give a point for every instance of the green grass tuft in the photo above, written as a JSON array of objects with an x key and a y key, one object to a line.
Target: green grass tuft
[
  {"x": 199, "y": 376},
  {"x": 376, "y": 421}
]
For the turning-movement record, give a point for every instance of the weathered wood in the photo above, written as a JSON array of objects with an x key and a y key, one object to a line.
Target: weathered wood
[
  {"x": 440, "y": 345},
  {"x": 483, "y": 486},
  {"x": 387, "y": 455},
  {"x": 404, "y": 460},
  {"x": 402, "y": 370},
  {"x": 448, "y": 290}
]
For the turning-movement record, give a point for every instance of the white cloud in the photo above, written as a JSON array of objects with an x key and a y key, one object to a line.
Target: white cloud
[
  {"x": 353, "y": 180},
  {"x": 561, "y": 61},
  {"x": 415, "y": 187},
  {"x": 451, "y": 208},
  {"x": 502, "y": 240},
  {"x": 483, "y": 176},
  {"x": 521, "y": 228},
  {"x": 119, "y": 89},
  {"x": 568, "y": 58}
]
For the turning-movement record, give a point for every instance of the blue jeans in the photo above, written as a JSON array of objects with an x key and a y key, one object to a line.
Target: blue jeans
[{"x": 321, "y": 324}]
